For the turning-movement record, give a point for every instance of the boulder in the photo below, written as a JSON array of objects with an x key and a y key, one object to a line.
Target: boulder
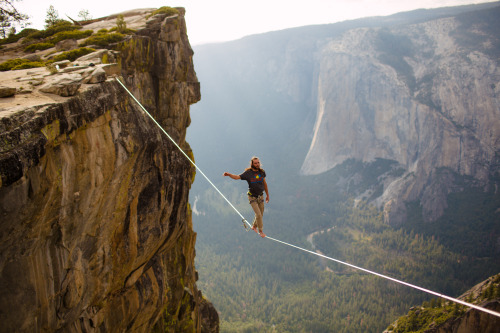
[
  {"x": 73, "y": 69},
  {"x": 98, "y": 57},
  {"x": 63, "y": 85},
  {"x": 66, "y": 45},
  {"x": 33, "y": 80},
  {"x": 24, "y": 91},
  {"x": 32, "y": 57},
  {"x": 36, "y": 81},
  {"x": 111, "y": 69},
  {"x": 7, "y": 92},
  {"x": 62, "y": 63},
  {"x": 51, "y": 56},
  {"x": 94, "y": 57},
  {"x": 85, "y": 73},
  {"x": 97, "y": 76}
]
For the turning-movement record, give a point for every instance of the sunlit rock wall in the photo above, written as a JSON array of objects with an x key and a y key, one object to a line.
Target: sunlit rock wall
[{"x": 95, "y": 231}]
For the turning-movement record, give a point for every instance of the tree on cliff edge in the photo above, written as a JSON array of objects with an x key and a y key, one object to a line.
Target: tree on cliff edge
[
  {"x": 9, "y": 15},
  {"x": 52, "y": 17}
]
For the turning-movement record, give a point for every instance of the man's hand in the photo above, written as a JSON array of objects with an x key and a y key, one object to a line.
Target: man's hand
[
  {"x": 267, "y": 199},
  {"x": 231, "y": 175}
]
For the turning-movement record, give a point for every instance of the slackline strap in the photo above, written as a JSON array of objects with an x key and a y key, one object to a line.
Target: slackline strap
[{"x": 494, "y": 313}]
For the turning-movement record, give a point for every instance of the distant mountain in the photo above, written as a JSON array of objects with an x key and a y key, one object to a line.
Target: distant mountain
[
  {"x": 424, "y": 95},
  {"x": 418, "y": 88},
  {"x": 380, "y": 141}
]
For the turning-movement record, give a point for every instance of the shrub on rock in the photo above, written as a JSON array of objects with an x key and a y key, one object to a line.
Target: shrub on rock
[
  {"x": 38, "y": 47},
  {"x": 74, "y": 34},
  {"x": 11, "y": 63},
  {"x": 58, "y": 27},
  {"x": 103, "y": 39},
  {"x": 30, "y": 64},
  {"x": 164, "y": 10},
  {"x": 73, "y": 54}
]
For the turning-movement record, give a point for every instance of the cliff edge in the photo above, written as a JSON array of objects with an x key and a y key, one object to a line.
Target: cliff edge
[{"x": 96, "y": 231}]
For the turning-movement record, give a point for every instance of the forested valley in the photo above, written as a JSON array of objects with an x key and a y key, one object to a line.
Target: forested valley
[
  {"x": 260, "y": 97},
  {"x": 261, "y": 286}
]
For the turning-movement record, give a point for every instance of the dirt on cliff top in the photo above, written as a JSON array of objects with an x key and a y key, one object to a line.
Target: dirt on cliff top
[{"x": 27, "y": 94}]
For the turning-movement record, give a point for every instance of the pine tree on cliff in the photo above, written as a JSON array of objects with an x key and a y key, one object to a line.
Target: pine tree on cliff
[{"x": 9, "y": 15}]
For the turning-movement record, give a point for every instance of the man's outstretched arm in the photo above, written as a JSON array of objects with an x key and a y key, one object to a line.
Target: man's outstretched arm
[{"x": 230, "y": 175}]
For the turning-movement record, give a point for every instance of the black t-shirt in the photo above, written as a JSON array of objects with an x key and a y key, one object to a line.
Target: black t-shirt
[{"x": 255, "y": 180}]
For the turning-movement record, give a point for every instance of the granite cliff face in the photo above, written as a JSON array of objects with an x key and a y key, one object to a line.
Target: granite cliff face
[
  {"x": 95, "y": 231},
  {"x": 425, "y": 95}
]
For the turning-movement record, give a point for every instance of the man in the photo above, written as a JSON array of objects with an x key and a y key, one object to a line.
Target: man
[{"x": 256, "y": 179}]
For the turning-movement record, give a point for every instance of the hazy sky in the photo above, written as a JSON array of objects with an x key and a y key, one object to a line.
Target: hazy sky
[{"x": 223, "y": 20}]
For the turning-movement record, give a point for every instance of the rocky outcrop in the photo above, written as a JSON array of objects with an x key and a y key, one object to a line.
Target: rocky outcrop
[
  {"x": 165, "y": 85},
  {"x": 453, "y": 318},
  {"x": 473, "y": 321},
  {"x": 423, "y": 95},
  {"x": 7, "y": 92},
  {"x": 63, "y": 85},
  {"x": 66, "y": 45},
  {"x": 95, "y": 231}
]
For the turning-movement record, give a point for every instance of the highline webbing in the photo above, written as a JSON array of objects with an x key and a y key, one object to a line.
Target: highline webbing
[{"x": 494, "y": 313}]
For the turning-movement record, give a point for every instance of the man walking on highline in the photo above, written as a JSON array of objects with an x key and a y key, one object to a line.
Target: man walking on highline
[{"x": 256, "y": 179}]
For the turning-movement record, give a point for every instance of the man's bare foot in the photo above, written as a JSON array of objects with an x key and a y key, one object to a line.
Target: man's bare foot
[
  {"x": 262, "y": 234},
  {"x": 254, "y": 228}
]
